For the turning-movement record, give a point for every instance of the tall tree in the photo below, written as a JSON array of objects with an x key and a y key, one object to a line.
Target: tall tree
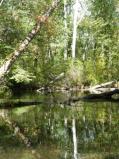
[
  {"x": 65, "y": 28},
  {"x": 79, "y": 12},
  {"x": 8, "y": 63},
  {"x": 106, "y": 11},
  {"x": 75, "y": 18}
]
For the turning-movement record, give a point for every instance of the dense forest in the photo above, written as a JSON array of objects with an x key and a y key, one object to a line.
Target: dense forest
[
  {"x": 59, "y": 43},
  {"x": 59, "y": 73}
]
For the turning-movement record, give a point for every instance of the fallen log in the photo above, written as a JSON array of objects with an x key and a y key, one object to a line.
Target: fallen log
[
  {"x": 60, "y": 76},
  {"x": 107, "y": 94},
  {"x": 47, "y": 88},
  {"x": 107, "y": 84},
  {"x": 104, "y": 95},
  {"x": 104, "y": 87}
]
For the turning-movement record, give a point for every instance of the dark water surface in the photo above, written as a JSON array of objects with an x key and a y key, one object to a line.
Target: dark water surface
[{"x": 81, "y": 130}]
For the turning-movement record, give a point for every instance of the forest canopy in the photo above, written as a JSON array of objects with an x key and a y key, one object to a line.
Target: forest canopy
[{"x": 78, "y": 39}]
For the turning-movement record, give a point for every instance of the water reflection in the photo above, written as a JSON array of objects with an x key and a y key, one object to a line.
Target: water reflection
[
  {"x": 74, "y": 138},
  {"x": 81, "y": 131}
]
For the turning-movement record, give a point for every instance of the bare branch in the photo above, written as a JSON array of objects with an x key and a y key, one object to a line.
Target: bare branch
[{"x": 1, "y": 2}]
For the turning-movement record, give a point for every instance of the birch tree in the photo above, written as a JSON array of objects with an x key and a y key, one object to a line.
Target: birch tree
[
  {"x": 74, "y": 138},
  {"x": 75, "y": 17},
  {"x": 65, "y": 29},
  {"x": 5, "y": 68},
  {"x": 79, "y": 11},
  {"x": 1, "y": 2}
]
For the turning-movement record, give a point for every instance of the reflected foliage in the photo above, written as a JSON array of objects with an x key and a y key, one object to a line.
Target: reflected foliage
[{"x": 50, "y": 127}]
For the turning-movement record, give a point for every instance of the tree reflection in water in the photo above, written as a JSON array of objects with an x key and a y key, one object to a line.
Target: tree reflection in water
[{"x": 82, "y": 131}]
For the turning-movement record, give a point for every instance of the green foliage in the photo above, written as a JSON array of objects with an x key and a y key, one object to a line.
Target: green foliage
[
  {"x": 97, "y": 46},
  {"x": 75, "y": 73},
  {"x": 98, "y": 42},
  {"x": 5, "y": 92},
  {"x": 21, "y": 76}
]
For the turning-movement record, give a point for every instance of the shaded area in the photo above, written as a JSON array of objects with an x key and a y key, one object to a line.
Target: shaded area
[
  {"x": 62, "y": 98},
  {"x": 84, "y": 130}
]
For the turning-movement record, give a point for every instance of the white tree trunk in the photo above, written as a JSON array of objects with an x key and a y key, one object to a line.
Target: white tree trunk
[
  {"x": 74, "y": 138},
  {"x": 65, "y": 30},
  {"x": 79, "y": 11},
  {"x": 75, "y": 18},
  {"x": 1, "y": 2},
  {"x": 8, "y": 63},
  {"x": 65, "y": 124}
]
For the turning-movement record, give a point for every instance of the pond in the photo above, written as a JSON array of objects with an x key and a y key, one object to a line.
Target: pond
[{"x": 51, "y": 130}]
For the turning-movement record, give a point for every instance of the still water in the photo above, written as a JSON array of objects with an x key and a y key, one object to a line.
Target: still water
[{"x": 51, "y": 130}]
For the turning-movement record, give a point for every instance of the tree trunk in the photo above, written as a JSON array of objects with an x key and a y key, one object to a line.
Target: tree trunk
[
  {"x": 4, "y": 69},
  {"x": 18, "y": 132},
  {"x": 79, "y": 11},
  {"x": 75, "y": 17},
  {"x": 107, "y": 95},
  {"x": 65, "y": 29},
  {"x": 1, "y": 2},
  {"x": 74, "y": 138},
  {"x": 107, "y": 84}
]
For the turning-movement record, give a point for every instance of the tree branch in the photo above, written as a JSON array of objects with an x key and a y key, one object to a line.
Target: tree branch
[
  {"x": 1, "y": 2},
  {"x": 5, "y": 68}
]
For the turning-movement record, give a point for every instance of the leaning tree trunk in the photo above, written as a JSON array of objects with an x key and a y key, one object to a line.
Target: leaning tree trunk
[{"x": 4, "y": 69}]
